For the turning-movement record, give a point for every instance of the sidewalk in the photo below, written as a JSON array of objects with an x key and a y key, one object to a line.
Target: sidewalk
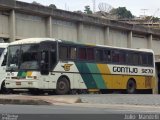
[{"x": 37, "y": 100}]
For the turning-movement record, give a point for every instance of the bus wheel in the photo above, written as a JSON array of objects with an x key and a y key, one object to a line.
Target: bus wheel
[
  {"x": 62, "y": 86},
  {"x": 131, "y": 86},
  {"x": 4, "y": 90}
]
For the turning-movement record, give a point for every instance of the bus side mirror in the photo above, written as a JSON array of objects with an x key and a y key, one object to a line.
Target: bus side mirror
[{"x": 4, "y": 60}]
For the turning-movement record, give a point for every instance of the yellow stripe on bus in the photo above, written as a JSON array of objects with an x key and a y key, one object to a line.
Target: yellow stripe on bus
[{"x": 29, "y": 73}]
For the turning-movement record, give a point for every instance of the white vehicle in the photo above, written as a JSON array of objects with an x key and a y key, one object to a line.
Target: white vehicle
[
  {"x": 3, "y": 51},
  {"x": 63, "y": 66}
]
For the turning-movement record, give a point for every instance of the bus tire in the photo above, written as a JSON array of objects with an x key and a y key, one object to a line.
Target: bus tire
[
  {"x": 131, "y": 86},
  {"x": 4, "y": 90},
  {"x": 63, "y": 86}
]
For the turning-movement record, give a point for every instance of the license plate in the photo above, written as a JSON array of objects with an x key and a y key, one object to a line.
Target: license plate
[{"x": 18, "y": 83}]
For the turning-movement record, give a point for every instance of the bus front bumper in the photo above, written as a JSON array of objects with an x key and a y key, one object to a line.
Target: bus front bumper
[{"x": 16, "y": 84}]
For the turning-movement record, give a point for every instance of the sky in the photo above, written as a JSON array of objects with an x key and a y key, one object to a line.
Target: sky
[{"x": 137, "y": 7}]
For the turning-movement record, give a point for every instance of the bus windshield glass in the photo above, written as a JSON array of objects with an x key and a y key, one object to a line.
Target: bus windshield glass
[
  {"x": 29, "y": 57},
  {"x": 23, "y": 57},
  {"x": 13, "y": 57},
  {"x": 1, "y": 51}
]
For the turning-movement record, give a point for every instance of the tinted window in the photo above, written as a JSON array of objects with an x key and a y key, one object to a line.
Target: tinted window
[
  {"x": 129, "y": 58},
  {"x": 115, "y": 56},
  {"x": 29, "y": 57},
  {"x": 63, "y": 52},
  {"x": 82, "y": 54},
  {"x": 90, "y": 53},
  {"x": 107, "y": 55},
  {"x": 143, "y": 59},
  {"x": 122, "y": 57},
  {"x": 99, "y": 55},
  {"x": 72, "y": 52},
  {"x": 13, "y": 57},
  {"x": 135, "y": 59},
  {"x": 150, "y": 60}
]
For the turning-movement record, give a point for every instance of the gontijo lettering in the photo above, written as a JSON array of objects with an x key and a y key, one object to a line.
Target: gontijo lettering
[{"x": 125, "y": 69}]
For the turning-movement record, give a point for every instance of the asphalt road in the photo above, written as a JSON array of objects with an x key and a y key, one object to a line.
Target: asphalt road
[
  {"x": 95, "y": 107},
  {"x": 71, "y": 109},
  {"x": 70, "y": 112}
]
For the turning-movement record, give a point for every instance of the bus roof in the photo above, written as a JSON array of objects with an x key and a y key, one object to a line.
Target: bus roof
[
  {"x": 38, "y": 40},
  {"x": 31, "y": 40},
  {"x": 133, "y": 49},
  {"x": 3, "y": 45}
]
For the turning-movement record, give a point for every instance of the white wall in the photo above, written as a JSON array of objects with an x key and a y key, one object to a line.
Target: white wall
[
  {"x": 4, "y": 25},
  {"x": 118, "y": 38},
  {"x": 156, "y": 46},
  {"x": 93, "y": 34},
  {"x": 30, "y": 26},
  {"x": 64, "y": 30},
  {"x": 139, "y": 41}
]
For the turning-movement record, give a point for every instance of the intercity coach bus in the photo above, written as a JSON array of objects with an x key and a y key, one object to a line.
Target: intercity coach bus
[{"x": 41, "y": 64}]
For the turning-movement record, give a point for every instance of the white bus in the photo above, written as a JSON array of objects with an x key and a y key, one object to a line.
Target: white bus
[
  {"x": 3, "y": 51},
  {"x": 63, "y": 66}
]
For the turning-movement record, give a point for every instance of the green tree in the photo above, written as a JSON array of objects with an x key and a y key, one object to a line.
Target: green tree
[
  {"x": 87, "y": 10},
  {"x": 35, "y": 3},
  {"x": 52, "y": 6},
  {"x": 122, "y": 13},
  {"x": 152, "y": 18}
]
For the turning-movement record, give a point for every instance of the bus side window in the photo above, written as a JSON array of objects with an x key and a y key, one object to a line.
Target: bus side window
[
  {"x": 63, "y": 53},
  {"x": 72, "y": 53},
  {"x": 135, "y": 59},
  {"x": 115, "y": 56},
  {"x": 143, "y": 59},
  {"x": 82, "y": 54},
  {"x": 107, "y": 55},
  {"x": 122, "y": 57},
  {"x": 99, "y": 55},
  {"x": 90, "y": 53},
  {"x": 150, "y": 60},
  {"x": 129, "y": 60}
]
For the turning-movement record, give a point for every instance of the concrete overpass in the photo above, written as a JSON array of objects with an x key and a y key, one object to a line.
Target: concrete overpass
[{"x": 23, "y": 20}]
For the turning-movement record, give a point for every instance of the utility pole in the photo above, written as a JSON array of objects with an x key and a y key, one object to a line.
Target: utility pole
[
  {"x": 94, "y": 6},
  {"x": 144, "y": 12}
]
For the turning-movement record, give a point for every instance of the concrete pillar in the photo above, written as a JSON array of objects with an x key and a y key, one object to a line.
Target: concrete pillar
[
  {"x": 150, "y": 41},
  {"x": 80, "y": 32},
  {"x": 12, "y": 26},
  {"x": 106, "y": 36},
  {"x": 49, "y": 27},
  {"x": 129, "y": 39}
]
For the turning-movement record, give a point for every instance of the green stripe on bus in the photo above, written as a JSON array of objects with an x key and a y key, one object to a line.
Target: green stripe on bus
[
  {"x": 96, "y": 74},
  {"x": 22, "y": 74},
  {"x": 86, "y": 75}
]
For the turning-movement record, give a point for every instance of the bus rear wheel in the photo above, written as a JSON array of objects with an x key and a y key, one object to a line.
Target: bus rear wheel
[
  {"x": 63, "y": 86},
  {"x": 131, "y": 86}
]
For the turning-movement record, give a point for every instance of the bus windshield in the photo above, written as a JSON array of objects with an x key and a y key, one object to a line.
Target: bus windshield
[
  {"x": 29, "y": 57},
  {"x": 23, "y": 57},
  {"x": 1, "y": 51},
  {"x": 13, "y": 57}
]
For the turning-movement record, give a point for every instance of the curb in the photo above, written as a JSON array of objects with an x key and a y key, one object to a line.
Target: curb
[
  {"x": 37, "y": 100},
  {"x": 65, "y": 100},
  {"x": 24, "y": 102}
]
